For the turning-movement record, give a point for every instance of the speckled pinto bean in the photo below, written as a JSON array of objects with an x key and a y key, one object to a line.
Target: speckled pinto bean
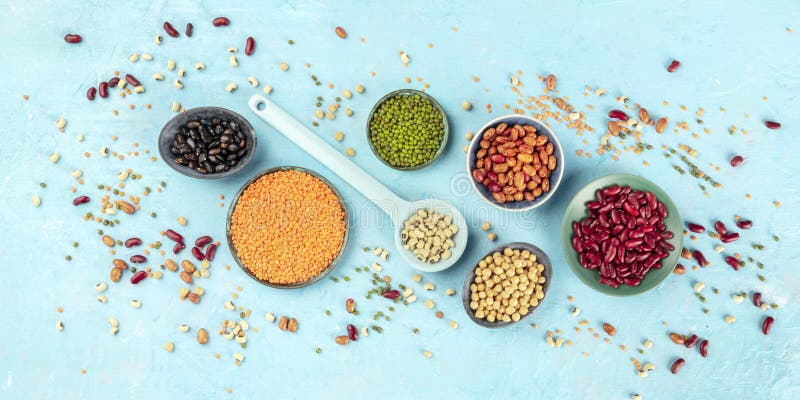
[{"x": 624, "y": 236}]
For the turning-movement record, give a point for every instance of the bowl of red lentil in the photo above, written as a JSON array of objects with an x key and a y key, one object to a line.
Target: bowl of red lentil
[{"x": 287, "y": 227}]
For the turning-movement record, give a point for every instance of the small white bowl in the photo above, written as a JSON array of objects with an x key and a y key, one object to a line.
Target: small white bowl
[{"x": 555, "y": 176}]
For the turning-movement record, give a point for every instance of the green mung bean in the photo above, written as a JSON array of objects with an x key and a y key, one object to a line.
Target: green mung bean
[{"x": 406, "y": 130}]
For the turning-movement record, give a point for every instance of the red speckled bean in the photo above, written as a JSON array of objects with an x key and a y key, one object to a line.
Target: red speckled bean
[
  {"x": 691, "y": 341},
  {"x": 478, "y": 175},
  {"x": 744, "y": 224},
  {"x": 733, "y": 262},
  {"x": 391, "y": 294},
  {"x": 189, "y": 29},
  {"x": 174, "y": 236},
  {"x": 103, "y": 89},
  {"x": 133, "y": 242},
  {"x": 198, "y": 254},
  {"x": 132, "y": 80},
  {"x": 202, "y": 241},
  {"x": 618, "y": 114},
  {"x": 677, "y": 365},
  {"x": 91, "y": 93},
  {"x": 704, "y": 348},
  {"x": 757, "y": 299},
  {"x": 138, "y": 277},
  {"x": 72, "y": 38},
  {"x": 80, "y": 200},
  {"x": 772, "y": 124},
  {"x": 731, "y": 237},
  {"x": 736, "y": 161},
  {"x": 696, "y": 228},
  {"x": 210, "y": 252},
  {"x": 249, "y": 46},
  {"x": 138, "y": 259},
  {"x": 673, "y": 66},
  {"x": 767, "y": 325},
  {"x": 720, "y": 228},
  {"x": 171, "y": 30},
  {"x": 178, "y": 247},
  {"x": 220, "y": 21},
  {"x": 352, "y": 332}
]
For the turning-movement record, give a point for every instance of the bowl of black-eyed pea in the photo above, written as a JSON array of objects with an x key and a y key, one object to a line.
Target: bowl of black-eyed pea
[{"x": 507, "y": 285}]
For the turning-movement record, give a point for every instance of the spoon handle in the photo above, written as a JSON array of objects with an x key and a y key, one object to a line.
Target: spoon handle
[{"x": 307, "y": 140}]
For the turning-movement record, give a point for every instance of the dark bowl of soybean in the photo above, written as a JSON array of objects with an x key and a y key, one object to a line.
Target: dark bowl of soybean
[
  {"x": 176, "y": 126},
  {"x": 541, "y": 258}
]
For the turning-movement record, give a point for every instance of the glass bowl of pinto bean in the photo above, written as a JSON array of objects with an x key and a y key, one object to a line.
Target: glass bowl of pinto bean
[
  {"x": 515, "y": 162},
  {"x": 207, "y": 142},
  {"x": 621, "y": 235}
]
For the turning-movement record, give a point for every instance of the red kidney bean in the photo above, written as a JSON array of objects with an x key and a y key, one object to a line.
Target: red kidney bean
[
  {"x": 391, "y": 294},
  {"x": 211, "y": 251},
  {"x": 133, "y": 242},
  {"x": 189, "y": 29},
  {"x": 673, "y": 66},
  {"x": 174, "y": 236},
  {"x": 733, "y": 262},
  {"x": 132, "y": 80},
  {"x": 170, "y": 30},
  {"x": 494, "y": 187},
  {"x": 757, "y": 299},
  {"x": 731, "y": 237},
  {"x": 198, "y": 254},
  {"x": 72, "y": 38},
  {"x": 744, "y": 224},
  {"x": 772, "y": 124},
  {"x": 113, "y": 81},
  {"x": 497, "y": 158},
  {"x": 698, "y": 256},
  {"x": 90, "y": 93},
  {"x": 736, "y": 161},
  {"x": 691, "y": 341},
  {"x": 138, "y": 277},
  {"x": 202, "y": 241},
  {"x": 103, "y": 89},
  {"x": 80, "y": 200},
  {"x": 352, "y": 332},
  {"x": 249, "y": 46},
  {"x": 138, "y": 259},
  {"x": 618, "y": 114},
  {"x": 220, "y": 21},
  {"x": 767, "y": 325},
  {"x": 178, "y": 247},
  {"x": 720, "y": 228},
  {"x": 704, "y": 348},
  {"x": 677, "y": 365},
  {"x": 493, "y": 176}
]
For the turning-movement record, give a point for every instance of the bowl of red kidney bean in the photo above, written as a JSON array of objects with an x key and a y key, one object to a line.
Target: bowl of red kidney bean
[
  {"x": 621, "y": 235},
  {"x": 515, "y": 162},
  {"x": 207, "y": 142}
]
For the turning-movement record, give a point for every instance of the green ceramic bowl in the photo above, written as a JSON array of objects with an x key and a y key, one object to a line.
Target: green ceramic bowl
[{"x": 576, "y": 210}]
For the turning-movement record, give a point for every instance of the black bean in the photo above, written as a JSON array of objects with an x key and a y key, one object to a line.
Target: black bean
[
  {"x": 174, "y": 150},
  {"x": 225, "y": 138},
  {"x": 214, "y": 151},
  {"x": 233, "y": 148},
  {"x": 220, "y": 168},
  {"x": 209, "y": 146},
  {"x": 192, "y": 124},
  {"x": 234, "y": 126},
  {"x": 180, "y": 160}
]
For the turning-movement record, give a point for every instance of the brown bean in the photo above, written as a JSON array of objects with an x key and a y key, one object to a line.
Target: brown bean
[
  {"x": 283, "y": 323},
  {"x": 186, "y": 277},
  {"x": 188, "y": 266},
  {"x": 108, "y": 241},
  {"x": 677, "y": 365},
  {"x": 340, "y": 32},
  {"x": 193, "y": 297},
  {"x": 126, "y": 207},
  {"x": 118, "y": 262},
  {"x": 609, "y": 329},
  {"x": 202, "y": 336},
  {"x": 116, "y": 274},
  {"x": 342, "y": 340},
  {"x": 171, "y": 265},
  {"x": 350, "y": 305},
  {"x": 292, "y": 325},
  {"x": 661, "y": 124},
  {"x": 550, "y": 82}
]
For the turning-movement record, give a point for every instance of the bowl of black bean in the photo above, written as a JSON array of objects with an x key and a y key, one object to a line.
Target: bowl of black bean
[{"x": 207, "y": 142}]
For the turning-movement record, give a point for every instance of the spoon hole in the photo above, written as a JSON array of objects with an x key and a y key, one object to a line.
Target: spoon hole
[{"x": 260, "y": 106}]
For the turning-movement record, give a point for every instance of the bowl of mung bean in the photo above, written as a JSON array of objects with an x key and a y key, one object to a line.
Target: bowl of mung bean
[
  {"x": 407, "y": 130},
  {"x": 507, "y": 285},
  {"x": 515, "y": 163},
  {"x": 287, "y": 227},
  {"x": 207, "y": 142}
]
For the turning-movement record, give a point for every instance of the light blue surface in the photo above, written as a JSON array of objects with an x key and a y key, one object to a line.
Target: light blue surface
[{"x": 732, "y": 54}]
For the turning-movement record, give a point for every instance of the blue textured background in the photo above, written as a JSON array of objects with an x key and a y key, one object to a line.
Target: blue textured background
[{"x": 733, "y": 54}]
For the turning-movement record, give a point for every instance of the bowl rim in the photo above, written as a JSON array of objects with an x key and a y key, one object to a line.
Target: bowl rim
[
  {"x": 566, "y": 245},
  {"x": 406, "y": 92},
  {"x": 166, "y": 155},
  {"x": 327, "y": 269},
  {"x": 558, "y": 149},
  {"x": 541, "y": 258}
]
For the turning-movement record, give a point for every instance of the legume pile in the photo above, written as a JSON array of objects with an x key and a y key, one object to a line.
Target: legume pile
[
  {"x": 209, "y": 146},
  {"x": 624, "y": 236},
  {"x": 287, "y": 227},
  {"x": 406, "y": 130},
  {"x": 429, "y": 235},
  {"x": 506, "y": 285}
]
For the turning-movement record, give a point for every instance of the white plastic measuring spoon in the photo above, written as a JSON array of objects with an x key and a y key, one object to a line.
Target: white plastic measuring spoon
[{"x": 399, "y": 210}]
